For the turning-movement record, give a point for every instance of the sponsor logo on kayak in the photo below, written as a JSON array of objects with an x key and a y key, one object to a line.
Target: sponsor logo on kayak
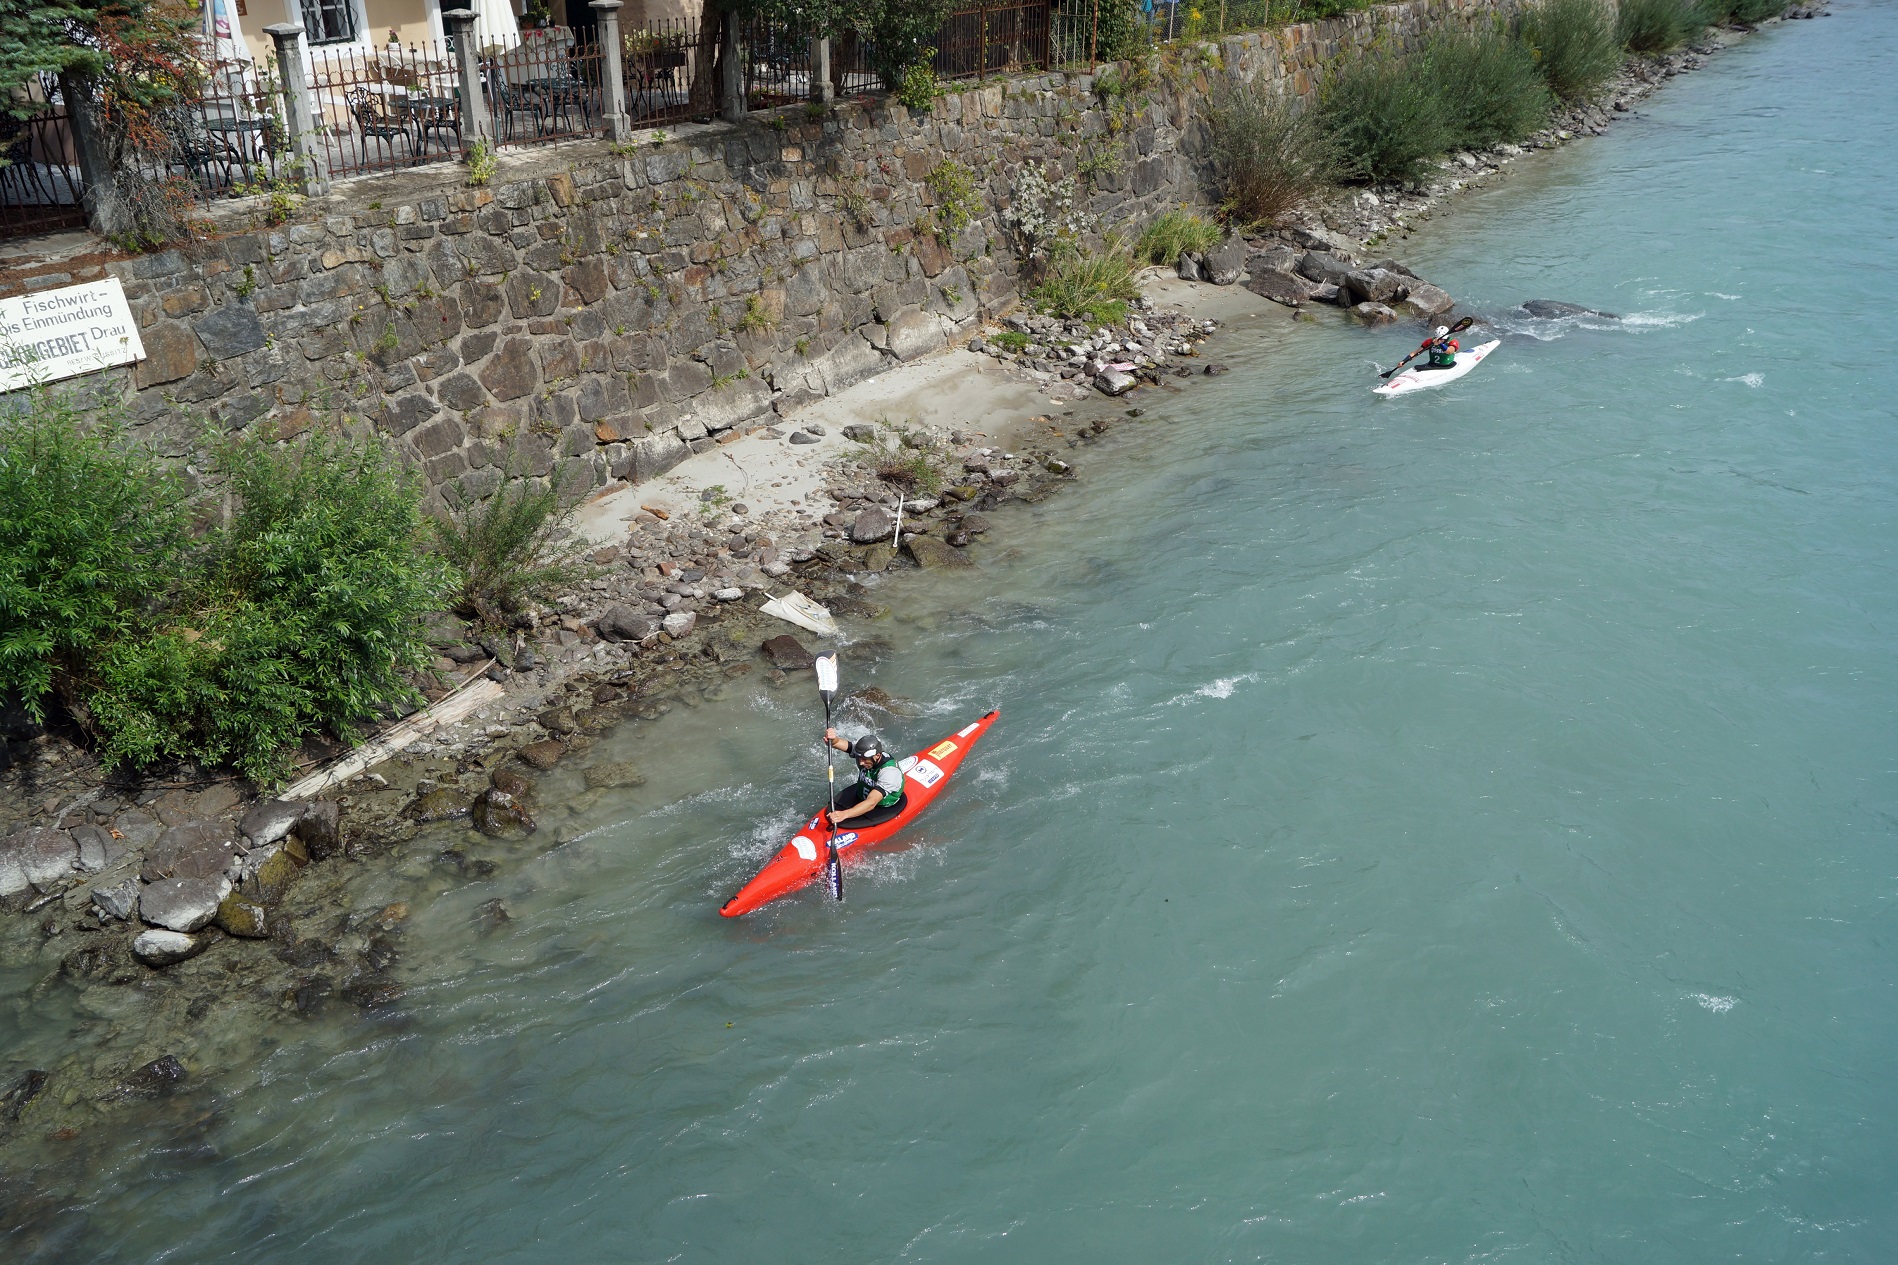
[
  {"x": 847, "y": 838},
  {"x": 926, "y": 774},
  {"x": 805, "y": 848},
  {"x": 941, "y": 749}
]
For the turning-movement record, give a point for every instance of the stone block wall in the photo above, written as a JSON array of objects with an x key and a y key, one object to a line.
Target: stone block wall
[{"x": 610, "y": 309}]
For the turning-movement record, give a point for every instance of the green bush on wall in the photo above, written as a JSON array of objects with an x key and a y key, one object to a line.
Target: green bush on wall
[
  {"x": 1654, "y": 26},
  {"x": 1574, "y": 44},
  {"x": 299, "y": 615},
  {"x": 1489, "y": 87}
]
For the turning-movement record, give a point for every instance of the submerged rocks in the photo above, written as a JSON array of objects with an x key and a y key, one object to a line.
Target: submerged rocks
[
  {"x": 931, "y": 553},
  {"x": 154, "y": 1080},
  {"x": 437, "y": 805},
  {"x": 613, "y": 775},
  {"x": 1554, "y": 310},
  {"x": 159, "y": 949},
  {"x": 1374, "y": 314},
  {"x": 500, "y": 816},
  {"x": 540, "y": 755}
]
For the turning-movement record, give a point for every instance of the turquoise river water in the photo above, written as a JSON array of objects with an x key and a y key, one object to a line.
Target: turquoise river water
[{"x": 1444, "y": 830}]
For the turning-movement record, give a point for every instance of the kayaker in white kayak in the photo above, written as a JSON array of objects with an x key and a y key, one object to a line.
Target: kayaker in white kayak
[
  {"x": 1442, "y": 349},
  {"x": 877, "y": 794}
]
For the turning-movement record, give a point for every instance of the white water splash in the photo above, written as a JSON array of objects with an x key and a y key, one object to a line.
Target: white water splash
[
  {"x": 1719, "y": 1005},
  {"x": 1220, "y": 688},
  {"x": 1751, "y": 379}
]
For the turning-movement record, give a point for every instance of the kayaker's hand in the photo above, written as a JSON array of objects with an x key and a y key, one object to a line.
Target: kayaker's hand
[{"x": 830, "y": 737}]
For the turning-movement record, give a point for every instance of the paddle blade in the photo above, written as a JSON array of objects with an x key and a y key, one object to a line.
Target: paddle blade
[
  {"x": 834, "y": 874},
  {"x": 827, "y": 673}
]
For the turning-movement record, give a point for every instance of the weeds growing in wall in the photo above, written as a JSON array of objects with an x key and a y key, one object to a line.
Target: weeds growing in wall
[{"x": 1272, "y": 155}]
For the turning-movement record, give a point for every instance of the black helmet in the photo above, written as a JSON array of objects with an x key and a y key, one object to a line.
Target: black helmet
[{"x": 866, "y": 748}]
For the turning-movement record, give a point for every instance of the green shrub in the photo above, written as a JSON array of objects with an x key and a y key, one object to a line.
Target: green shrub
[
  {"x": 303, "y": 615},
  {"x": 92, "y": 532},
  {"x": 1272, "y": 156},
  {"x": 917, "y": 87},
  {"x": 1162, "y": 241},
  {"x": 1654, "y": 26},
  {"x": 1120, "y": 33},
  {"x": 1489, "y": 87},
  {"x": 507, "y": 551},
  {"x": 1575, "y": 46},
  {"x": 1095, "y": 285},
  {"x": 1385, "y": 120},
  {"x": 1010, "y": 340}
]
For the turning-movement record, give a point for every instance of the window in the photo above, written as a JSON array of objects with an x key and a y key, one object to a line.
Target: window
[{"x": 329, "y": 21}]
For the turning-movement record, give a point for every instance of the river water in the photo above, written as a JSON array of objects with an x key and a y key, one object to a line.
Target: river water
[{"x": 1448, "y": 829}]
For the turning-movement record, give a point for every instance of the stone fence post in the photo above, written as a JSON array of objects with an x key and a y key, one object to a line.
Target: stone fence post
[
  {"x": 619, "y": 126},
  {"x": 475, "y": 123},
  {"x": 821, "y": 87},
  {"x": 298, "y": 121}
]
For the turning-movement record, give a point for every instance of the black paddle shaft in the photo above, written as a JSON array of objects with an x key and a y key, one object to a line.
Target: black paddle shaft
[
  {"x": 833, "y": 864},
  {"x": 1457, "y": 328}
]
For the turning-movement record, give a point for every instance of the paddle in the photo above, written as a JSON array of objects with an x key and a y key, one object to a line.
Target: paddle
[
  {"x": 827, "y": 687},
  {"x": 1457, "y": 328}
]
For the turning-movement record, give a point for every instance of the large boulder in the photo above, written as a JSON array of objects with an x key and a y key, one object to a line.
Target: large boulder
[
  {"x": 1425, "y": 301},
  {"x": 1322, "y": 239},
  {"x": 196, "y": 849},
  {"x": 1376, "y": 285},
  {"x": 1114, "y": 382},
  {"x": 1281, "y": 287},
  {"x": 96, "y": 848},
  {"x": 320, "y": 829},
  {"x": 238, "y": 915},
  {"x": 872, "y": 524},
  {"x": 269, "y": 820},
  {"x": 266, "y": 884},
  {"x": 182, "y": 904},
  {"x": 913, "y": 334},
  {"x": 1277, "y": 258},
  {"x": 160, "y": 949},
  {"x": 1187, "y": 266},
  {"x": 36, "y": 857},
  {"x": 1319, "y": 267},
  {"x": 1226, "y": 262}
]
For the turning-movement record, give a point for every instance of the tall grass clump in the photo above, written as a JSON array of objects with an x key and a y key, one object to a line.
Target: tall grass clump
[
  {"x": 1488, "y": 86},
  {"x": 1163, "y": 241},
  {"x": 1272, "y": 156},
  {"x": 510, "y": 549},
  {"x": 1385, "y": 119},
  {"x": 1575, "y": 46},
  {"x": 1093, "y": 285},
  {"x": 1654, "y": 26}
]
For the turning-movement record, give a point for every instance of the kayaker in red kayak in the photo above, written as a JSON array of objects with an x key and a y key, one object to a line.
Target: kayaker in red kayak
[{"x": 877, "y": 794}]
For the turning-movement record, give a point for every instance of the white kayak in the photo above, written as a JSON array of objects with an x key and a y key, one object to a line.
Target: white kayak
[{"x": 1417, "y": 379}]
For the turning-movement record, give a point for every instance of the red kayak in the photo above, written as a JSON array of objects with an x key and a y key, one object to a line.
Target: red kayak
[{"x": 801, "y": 860}]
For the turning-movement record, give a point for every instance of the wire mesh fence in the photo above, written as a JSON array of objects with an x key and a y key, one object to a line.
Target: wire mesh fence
[{"x": 659, "y": 62}]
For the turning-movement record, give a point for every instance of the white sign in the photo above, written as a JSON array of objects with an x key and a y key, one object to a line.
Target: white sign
[{"x": 63, "y": 333}]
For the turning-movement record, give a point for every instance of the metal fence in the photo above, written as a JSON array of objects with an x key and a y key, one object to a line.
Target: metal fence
[
  {"x": 401, "y": 105},
  {"x": 40, "y": 189}
]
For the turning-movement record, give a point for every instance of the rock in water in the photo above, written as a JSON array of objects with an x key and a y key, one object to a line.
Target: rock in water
[
  {"x": 156, "y": 1079},
  {"x": 271, "y": 879},
  {"x": 1115, "y": 382},
  {"x": 930, "y": 553},
  {"x": 513, "y": 781},
  {"x": 182, "y": 904},
  {"x": 1554, "y": 310},
  {"x": 539, "y": 755},
  {"x": 500, "y": 816},
  {"x": 1376, "y": 285},
  {"x": 679, "y": 623},
  {"x": 164, "y": 948},
  {"x": 1426, "y": 301},
  {"x": 437, "y": 805},
  {"x": 787, "y": 654},
  {"x": 1374, "y": 314},
  {"x": 492, "y": 916},
  {"x": 24, "y": 1091},
  {"x": 240, "y": 916},
  {"x": 614, "y": 774}
]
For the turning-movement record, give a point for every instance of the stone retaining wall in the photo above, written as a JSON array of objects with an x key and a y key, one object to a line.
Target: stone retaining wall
[{"x": 612, "y": 308}]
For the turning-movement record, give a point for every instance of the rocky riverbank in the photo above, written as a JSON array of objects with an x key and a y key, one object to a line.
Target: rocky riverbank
[{"x": 167, "y": 915}]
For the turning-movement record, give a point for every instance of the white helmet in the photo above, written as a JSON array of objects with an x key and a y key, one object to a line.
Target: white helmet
[{"x": 1443, "y": 331}]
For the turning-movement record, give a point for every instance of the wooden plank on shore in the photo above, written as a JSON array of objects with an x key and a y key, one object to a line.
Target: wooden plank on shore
[{"x": 464, "y": 702}]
